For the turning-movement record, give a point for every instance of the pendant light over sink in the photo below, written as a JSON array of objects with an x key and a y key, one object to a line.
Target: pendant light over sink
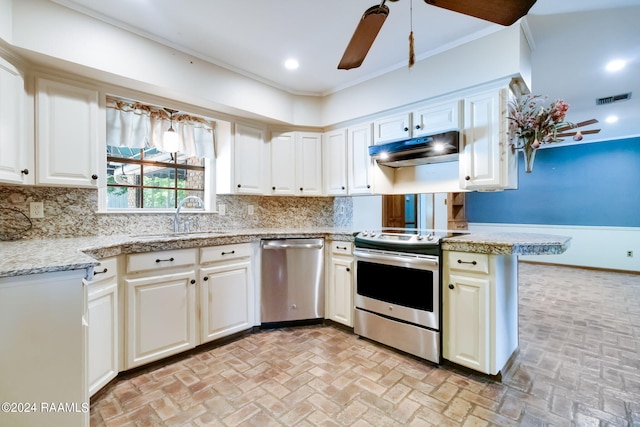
[{"x": 170, "y": 138}]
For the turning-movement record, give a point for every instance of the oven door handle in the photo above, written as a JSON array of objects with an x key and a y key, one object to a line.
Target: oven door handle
[{"x": 397, "y": 258}]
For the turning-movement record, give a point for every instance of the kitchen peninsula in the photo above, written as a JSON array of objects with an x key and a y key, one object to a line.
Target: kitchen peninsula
[{"x": 43, "y": 298}]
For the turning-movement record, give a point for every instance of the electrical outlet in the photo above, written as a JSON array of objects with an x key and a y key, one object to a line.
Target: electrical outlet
[
  {"x": 222, "y": 209},
  {"x": 36, "y": 210},
  {"x": 250, "y": 210},
  {"x": 630, "y": 254}
]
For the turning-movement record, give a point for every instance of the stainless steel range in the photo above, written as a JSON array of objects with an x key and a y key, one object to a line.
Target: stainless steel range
[{"x": 397, "y": 297}]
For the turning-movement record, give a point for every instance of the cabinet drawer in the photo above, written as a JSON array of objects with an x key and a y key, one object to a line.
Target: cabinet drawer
[
  {"x": 224, "y": 252},
  {"x": 160, "y": 259},
  {"x": 465, "y": 261},
  {"x": 106, "y": 270},
  {"x": 344, "y": 248}
]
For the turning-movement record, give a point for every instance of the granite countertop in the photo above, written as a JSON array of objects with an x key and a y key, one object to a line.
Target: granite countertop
[
  {"x": 508, "y": 243},
  {"x": 25, "y": 257}
]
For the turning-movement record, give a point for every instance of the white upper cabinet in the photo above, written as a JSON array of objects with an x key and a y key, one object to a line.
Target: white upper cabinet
[
  {"x": 309, "y": 163},
  {"x": 335, "y": 162},
  {"x": 392, "y": 128},
  {"x": 359, "y": 160},
  {"x": 434, "y": 118},
  {"x": 249, "y": 159},
  {"x": 68, "y": 135},
  {"x": 295, "y": 166},
  {"x": 486, "y": 161},
  {"x": 16, "y": 151},
  {"x": 282, "y": 149}
]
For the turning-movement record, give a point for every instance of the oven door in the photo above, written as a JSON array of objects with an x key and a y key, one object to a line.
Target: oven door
[{"x": 400, "y": 286}]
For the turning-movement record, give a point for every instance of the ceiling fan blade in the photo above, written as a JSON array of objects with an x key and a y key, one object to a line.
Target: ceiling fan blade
[
  {"x": 363, "y": 37},
  {"x": 503, "y": 12},
  {"x": 577, "y": 125},
  {"x": 584, "y": 132}
]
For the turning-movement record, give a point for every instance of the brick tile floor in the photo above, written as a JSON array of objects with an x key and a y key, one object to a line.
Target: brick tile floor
[{"x": 578, "y": 365}]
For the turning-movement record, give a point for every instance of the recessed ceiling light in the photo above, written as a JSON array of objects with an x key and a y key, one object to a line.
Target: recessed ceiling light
[
  {"x": 291, "y": 64},
  {"x": 611, "y": 119},
  {"x": 616, "y": 65}
]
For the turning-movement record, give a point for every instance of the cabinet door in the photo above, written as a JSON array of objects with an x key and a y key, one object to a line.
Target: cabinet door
[
  {"x": 16, "y": 151},
  {"x": 249, "y": 159},
  {"x": 392, "y": 128},
  {"x": 341, "y": 290},
  {"x": 226, "y": 299},
  {"x": 335, "y": 162},
  {"x": 485, "y": 158},
  {"x": 67, "y": 135},
  {"x": 309, "y": 164},
  {"x": 360, "y": 163},
  {"x": 161, "y": 316},
  {"x": 437, "y": 118},
  {"x": 283, "y": 163},
  {"x": 466, "y": 328},
  {"x": 103, "y": 333}
]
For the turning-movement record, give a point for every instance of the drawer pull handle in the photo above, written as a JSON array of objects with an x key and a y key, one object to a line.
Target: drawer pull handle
[
  {"x": 95, "y": 273},
  {"x": 163, "y": 260},
  {"x": 228, "y": 253},
  {"x": 467, "y": 262},
  {"x": 342, "y": 248}
]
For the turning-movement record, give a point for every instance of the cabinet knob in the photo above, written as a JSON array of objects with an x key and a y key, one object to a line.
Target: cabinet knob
[
  {"x": 368, "y": 186},
  {"x": 24, "y": 171},
  {"x": 406, "y": 129},
  {"x": 418, "y": 127},
  {"x": 239, "y": 185},
  {"x": 343, "y": 187},
  {"x": 451, "y": 286},
  {"x": 301, "y": 189},
  {"x": 348, "y": 269},
  {"x": 467, "y": 178},
  {"x": 193, "y": 281},
  {"x": 206, "y": 278},
  {"x": 273, "y": 188},
  {"x": 94, "y": 176}
]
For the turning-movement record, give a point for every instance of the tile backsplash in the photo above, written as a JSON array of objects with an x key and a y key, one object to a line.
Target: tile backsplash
[{"x": 71, "y": 212}]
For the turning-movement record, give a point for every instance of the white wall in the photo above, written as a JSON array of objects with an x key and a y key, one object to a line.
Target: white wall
[{"x": 600, "y": 247}]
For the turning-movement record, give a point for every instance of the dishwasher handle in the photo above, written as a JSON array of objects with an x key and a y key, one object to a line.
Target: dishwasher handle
[{"x": 290, "y": 245}]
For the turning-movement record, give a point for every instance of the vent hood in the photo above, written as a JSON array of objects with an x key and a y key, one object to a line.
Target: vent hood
[{"x": 441, "y": 147}]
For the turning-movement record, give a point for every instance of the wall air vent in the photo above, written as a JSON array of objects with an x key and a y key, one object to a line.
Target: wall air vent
[{"x": 614, "y": 98}]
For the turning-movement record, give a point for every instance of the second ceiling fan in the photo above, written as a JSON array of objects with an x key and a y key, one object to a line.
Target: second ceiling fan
[{"x": 503, "y": 12}]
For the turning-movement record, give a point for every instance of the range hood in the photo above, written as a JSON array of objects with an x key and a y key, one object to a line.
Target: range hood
[{"x": 441, "y": 147}]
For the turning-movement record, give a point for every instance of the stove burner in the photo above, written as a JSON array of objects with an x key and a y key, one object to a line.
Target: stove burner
[{"x": 403, "y": 240}]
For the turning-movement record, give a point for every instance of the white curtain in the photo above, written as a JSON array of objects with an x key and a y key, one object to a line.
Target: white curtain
[{"x": 135, "y": 125}]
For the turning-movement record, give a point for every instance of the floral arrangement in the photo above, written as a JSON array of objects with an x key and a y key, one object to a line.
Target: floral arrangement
[{"x": 531, "y": 123}]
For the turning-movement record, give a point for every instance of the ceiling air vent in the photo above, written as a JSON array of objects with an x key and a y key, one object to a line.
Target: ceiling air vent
[{"x": 614, "y": 98}]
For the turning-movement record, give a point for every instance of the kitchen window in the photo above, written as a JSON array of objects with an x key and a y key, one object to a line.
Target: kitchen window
[{"x": 144, "y": 175}]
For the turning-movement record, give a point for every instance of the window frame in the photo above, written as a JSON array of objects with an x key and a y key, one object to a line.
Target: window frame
[{"x": 208, "y": 164}]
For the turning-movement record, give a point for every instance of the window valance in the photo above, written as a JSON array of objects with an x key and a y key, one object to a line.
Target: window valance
[{"x": 136, "y": 125}]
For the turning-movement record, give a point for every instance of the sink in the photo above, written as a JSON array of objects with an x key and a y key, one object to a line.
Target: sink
[{"x": 172, "y": 235}]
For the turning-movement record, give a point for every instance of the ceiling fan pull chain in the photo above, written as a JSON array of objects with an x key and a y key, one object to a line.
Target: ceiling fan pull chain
[{"x": 412, "y": 56}]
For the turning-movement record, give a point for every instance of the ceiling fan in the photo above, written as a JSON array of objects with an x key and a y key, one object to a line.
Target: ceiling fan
[{"x": 503, "y": 12}]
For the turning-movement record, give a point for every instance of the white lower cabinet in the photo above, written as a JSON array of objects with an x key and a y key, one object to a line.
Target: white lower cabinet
[
  {"x": 226, "y": 291},
  {"x": 160, "y": 314},
  {"x": 102, "y": 306},
  {"x": 480, "y": 310},
  {"x": 340, "y": 289}
]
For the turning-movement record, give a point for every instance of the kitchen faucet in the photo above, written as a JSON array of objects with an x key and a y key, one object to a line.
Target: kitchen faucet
[{"x": 176, "y": 216}]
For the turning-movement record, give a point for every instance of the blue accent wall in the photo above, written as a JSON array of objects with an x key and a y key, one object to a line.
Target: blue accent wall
[{"x": 595, "y": 184}]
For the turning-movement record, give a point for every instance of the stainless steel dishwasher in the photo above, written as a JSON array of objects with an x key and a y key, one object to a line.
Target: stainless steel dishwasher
[{"x": 292, "y": 281}]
